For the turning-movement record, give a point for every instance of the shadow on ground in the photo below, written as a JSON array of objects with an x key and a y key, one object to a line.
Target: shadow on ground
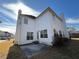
[
  {"x": 70, "y": 51},
  {"x": 15, "y": 53}
]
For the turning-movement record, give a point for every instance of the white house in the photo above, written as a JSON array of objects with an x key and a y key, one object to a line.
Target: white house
[{"x": 40, "y": 28}]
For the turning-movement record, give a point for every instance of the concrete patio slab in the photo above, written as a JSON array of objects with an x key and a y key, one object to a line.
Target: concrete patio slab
[{"x": 33, "y": 49}]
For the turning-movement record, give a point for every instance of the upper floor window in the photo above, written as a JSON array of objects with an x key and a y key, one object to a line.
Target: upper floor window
[
  {"x": 43, "y": 34},
  {"x": 25, "y": 20}
]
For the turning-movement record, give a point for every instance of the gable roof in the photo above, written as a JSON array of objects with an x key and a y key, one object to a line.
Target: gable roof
[
  {"x": 52, "y": 12},
  {"x": 47, "y": 9}
]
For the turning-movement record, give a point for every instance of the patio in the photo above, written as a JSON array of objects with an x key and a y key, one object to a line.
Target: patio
[{"x": 33, "y": 49}]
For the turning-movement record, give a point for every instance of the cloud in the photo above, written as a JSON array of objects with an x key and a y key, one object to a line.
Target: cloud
[
  {"x": 10, "y": 29},
  {"x": 19, "y": 5},
  {"x": 6, "y": 18},
  {"x": 14, "y": 7},
  {"x": 9, "y": 14},
  {"x": 72, "y": 20}
]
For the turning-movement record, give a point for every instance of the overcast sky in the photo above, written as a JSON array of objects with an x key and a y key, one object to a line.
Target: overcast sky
[{"x": 9, "y": 10}]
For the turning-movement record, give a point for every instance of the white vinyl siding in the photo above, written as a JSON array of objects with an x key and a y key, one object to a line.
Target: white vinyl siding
[{"x": 25, "y": 20}]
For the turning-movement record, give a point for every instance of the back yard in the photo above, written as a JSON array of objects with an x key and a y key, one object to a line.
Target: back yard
[{"x": 65, "y": 52}]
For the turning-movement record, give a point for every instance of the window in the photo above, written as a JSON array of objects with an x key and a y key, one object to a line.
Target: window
[
  {"x": 25, "y": 20},
  {"x": 43, "y": 34},
  {"x": 37, "y": 35},
  {"x": 29, "y": 35}
]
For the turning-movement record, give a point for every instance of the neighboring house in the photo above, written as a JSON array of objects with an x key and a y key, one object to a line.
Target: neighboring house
[
  {"x": 5, "y": 35},
  {"x": 40, "y": 28},
  {"x": 73, "y": 32}
]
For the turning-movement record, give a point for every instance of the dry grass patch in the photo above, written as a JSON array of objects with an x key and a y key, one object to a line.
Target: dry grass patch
[{"x": 4, "y": 48}]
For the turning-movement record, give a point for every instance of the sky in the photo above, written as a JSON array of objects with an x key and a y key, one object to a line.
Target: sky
[{"x": 9, "y": 10}]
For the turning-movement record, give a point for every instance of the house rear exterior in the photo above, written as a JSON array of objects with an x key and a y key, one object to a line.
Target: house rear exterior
[{"x": 41, "y": 28}]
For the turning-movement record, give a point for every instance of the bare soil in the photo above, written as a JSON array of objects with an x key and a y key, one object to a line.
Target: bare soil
[{"x": 71, "y": 51}]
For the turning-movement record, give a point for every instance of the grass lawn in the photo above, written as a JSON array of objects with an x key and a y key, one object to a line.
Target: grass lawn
[{"x": 66, "y": 52}]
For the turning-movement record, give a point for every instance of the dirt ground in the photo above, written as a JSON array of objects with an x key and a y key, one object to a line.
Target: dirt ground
[{"x": 71, "y": 51}]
